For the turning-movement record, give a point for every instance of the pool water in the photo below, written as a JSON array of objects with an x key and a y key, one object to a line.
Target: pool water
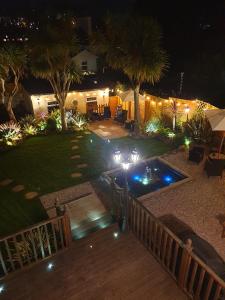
[{"x": 147, "y": 177}]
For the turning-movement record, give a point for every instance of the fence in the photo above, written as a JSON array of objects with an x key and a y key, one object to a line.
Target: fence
[
  {"x": 191, "y": 274},
  {"x": 34, "y": 244}
]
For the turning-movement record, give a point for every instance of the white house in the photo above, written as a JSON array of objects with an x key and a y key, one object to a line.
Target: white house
[
  {"x": 83, "y": 101},
  {"x": 87, "y": 62}
]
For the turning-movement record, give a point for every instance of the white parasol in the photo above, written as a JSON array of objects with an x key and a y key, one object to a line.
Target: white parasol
[{"x": 216, "y": 119}]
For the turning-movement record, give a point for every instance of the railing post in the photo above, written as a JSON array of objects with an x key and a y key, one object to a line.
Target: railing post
[
  {"x": 185, "y": 262},
  {"x": 67, "y": 227}
]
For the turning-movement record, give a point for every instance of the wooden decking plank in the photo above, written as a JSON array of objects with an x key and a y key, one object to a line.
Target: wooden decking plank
[{"x": 112, "y": 269}]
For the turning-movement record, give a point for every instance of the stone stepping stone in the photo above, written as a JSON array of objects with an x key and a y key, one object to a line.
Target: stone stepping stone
[
  {"x": 76, "y": 175},
  {"x": 75, "y": 156},
  {"x": 18, "y": 188},
  {"x": 75, "y": 147},
  {"x": 6, "y": 182},
  {"x": 87, "y": 132},
  {"x": 82, "y": 166},
  {"x": 79, "y": 136},
  {"x": 74, "y": 141},
  {"x": 31, "y": 195}
]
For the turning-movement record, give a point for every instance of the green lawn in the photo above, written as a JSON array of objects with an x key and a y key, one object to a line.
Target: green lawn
[{"x": 43, "y": 164}]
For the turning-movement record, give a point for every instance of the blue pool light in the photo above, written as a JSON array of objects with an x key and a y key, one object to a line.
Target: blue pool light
[
  {"x": 137, "y": 178},
  {"x": 168, "y": 179}
]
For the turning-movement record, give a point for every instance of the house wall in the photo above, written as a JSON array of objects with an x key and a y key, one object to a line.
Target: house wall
[
  {"x": 40, "y": 102},
  {"x": 90, "y": 58}
]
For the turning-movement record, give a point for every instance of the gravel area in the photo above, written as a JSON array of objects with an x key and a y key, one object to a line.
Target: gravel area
[{"x": 199, "y": 203}]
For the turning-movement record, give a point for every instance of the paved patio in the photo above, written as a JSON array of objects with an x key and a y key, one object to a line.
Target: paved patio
[
  {"x": 108, "y": 129},
  {"x": 199, "y": 203}
]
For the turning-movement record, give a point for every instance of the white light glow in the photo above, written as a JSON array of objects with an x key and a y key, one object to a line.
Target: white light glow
[
  {"x": 134, "y": 156},
  {"x": 2, "y": 289},
  {"x": 115, "y": 234},
  {"x": 117, "y": 156},
  {"x": 125, "y": 165},
  {"x": 50, "y": 266}
]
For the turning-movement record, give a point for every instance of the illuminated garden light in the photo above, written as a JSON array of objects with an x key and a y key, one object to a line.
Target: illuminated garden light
[
  {"x": 171, "y": 135},
  {"x": 117, "y": 156},
  {"x": 134, "y": 156},
  {"x": 91, "y": 141},
  {"x": 115, "y": 234},
  {"x": 125, "y": 166},
  {"x": 187, "y": 142},
  {"x": 50, "y": 266},
  {"x": 2, "y": 288},
  {"x": 91, "y": 246}
]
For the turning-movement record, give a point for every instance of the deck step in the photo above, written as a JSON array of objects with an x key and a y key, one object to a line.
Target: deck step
[{"x": 87, "y": 227}]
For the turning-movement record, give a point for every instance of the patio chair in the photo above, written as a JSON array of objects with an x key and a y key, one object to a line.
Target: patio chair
[
  {"x": 214, "y": 167},
  {"x": 196, "y": 154}
]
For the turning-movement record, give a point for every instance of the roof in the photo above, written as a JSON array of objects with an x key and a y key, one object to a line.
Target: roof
[
  {"x": 40, "y": 86},
  {"x": 85, "y": 52}
]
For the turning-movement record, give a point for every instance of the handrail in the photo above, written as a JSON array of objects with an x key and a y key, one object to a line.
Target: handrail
[
  {"x": 34, "y": 244},
  {"x": 197, "y": 279},
  {"x": 192, "y": 275},
  {"x": 28, "y": 228}
]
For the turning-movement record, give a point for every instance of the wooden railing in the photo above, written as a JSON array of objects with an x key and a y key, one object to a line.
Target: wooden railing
[
  {"x": 34, "y": 244},
  {"x": 190, "y": 272},
  {"x": 192, "y": 275}
]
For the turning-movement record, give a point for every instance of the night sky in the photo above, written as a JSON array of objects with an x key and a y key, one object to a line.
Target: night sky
[{"x": 193, "y": 35}]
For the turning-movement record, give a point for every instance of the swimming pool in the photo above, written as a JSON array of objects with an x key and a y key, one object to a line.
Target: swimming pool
[{"x": 149, "y": 176}]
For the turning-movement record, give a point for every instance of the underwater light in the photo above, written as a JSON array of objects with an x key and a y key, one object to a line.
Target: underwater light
[
  {"x": 145, "y": 181},
  {"x": 168, "y": 179},
  {"x": 136, "y": 178}
]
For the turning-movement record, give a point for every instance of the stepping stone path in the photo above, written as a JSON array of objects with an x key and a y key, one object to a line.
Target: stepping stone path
[
  {"x": 75, "y": 156},
  {"x": 6, "y": 182},
  {"x": 18, "y": 188},
  {"x": 79, "y": 136},
  {"x": 74, "y": 141},
  {"x": 82, "y": 165},
  {"x": 87, "y": 132},
  {"x": 76, "y": 175},
  {"x": 75, "y": 147},
  {"x": 31, "y": 195}
]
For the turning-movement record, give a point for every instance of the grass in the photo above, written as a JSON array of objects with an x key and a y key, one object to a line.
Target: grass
[{"x": 43, "y": 164}]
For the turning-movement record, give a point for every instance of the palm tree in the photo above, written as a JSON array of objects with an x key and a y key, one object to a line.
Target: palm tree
[
  {"x": 132, "y": 44},
  {"x": 12, "y": 65},
  {"x": 52, "y": 55}
]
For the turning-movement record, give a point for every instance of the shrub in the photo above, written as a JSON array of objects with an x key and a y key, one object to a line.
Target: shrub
[
  {"x": 56, "y": 116},
  {"x": 28, "y": 120},
  {"x": 152, "y": 126},
  {"x": 41, "y": 125},
  {"x": 51, "y": 125},
  {"x": 166, "y": 120},
  {"x": 10, "y": 133},
  {"x": 80, "y": 121},
  {"x": 29, "y": 129},
  {"x": 69, "y": 118},
  {"x": 199, "y": 129}
]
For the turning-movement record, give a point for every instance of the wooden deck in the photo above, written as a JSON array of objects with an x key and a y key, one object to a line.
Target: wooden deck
[{"x": 97, "y": 267}]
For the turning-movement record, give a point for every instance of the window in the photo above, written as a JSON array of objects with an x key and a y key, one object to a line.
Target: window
[
  {"x": 84, "y": 66},
  {"x": 52, "y": 105},
  {"x": 92, "y": 99}
]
